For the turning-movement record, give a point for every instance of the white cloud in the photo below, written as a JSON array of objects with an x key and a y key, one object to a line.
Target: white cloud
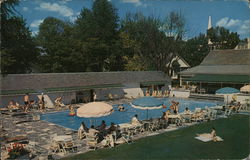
[
  {"x": 226, "y": 22},
  {"x": 25, "y": 9},
  {"x": 135, "y": 2},
  {"x": 64, "y": 1},
  {"x": 245, "y": 28},
  {"x": 222, "y": 22},
  {"x": 55, "y": 7},
  {"x": 36, "y": 23},
  {"x": 233, "y": 22},
  {"x": 242, "y": 27}
]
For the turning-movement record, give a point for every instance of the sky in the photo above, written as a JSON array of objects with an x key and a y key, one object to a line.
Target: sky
[{"x": 231, "y": 14}]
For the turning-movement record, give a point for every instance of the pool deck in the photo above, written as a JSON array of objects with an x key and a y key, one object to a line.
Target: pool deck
[{"x": 39, "y": 132}]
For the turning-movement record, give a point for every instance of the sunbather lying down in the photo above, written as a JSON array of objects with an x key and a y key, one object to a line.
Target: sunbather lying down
[{"x": 205, "y": 137}]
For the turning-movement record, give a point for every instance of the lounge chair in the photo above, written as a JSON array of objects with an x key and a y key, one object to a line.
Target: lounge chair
[
  {"x": 92, "y": 141},
  {"x": 82, "y": 134},
  {"x": 153, "y": 125},
  {"x": 126, "y": 136},
  {"x": 108, "y": 141},
  {"x": 55, "y": 147},
  {"x": 69, "y": 146}
]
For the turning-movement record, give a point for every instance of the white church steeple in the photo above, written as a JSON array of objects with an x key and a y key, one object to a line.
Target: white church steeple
[{"x": 208, "y": 27}]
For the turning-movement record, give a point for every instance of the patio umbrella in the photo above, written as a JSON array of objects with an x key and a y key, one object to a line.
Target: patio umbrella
[
  {"x": 245, "y": 88},
  {"x": 94, "y": 109},
  {"x": 147, "y": 103},
  {"x": 227, "y": 90}
]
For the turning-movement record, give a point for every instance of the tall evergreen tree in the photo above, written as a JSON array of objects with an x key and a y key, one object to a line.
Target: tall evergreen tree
[
  {"x": 18, "y": 51},
  {"x": 99, "y": 33}
]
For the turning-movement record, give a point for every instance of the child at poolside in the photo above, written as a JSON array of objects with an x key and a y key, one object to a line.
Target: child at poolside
[{"x": 72, "y": 111}]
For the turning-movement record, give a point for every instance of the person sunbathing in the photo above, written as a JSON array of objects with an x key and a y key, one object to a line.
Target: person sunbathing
[
  {"x": 187, "y": 111},
  {"x": 211, "y": 135},
  {"x": 135, "y": 120},
  {"x": 236, "y": 107},
  {"x": 92, "y": 131},
  {"x": 198, "y": 115},
  {"x": 165, "y": 115}
]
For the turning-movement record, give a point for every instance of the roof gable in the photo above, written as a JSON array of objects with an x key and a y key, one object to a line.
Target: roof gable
[{"x": 227, "y": 57}]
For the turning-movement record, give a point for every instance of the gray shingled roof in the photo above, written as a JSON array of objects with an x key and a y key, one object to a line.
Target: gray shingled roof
[
  {"x": 227, "y": 57},
  {"x": 234, "y": 62},
  {"x": 54, "y": 80}
]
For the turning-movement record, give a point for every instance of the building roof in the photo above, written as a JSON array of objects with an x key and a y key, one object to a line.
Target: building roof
[
  {"x": 219, "y": 78},
  {"x": 227, "y": 57},
  {"x": 55, "y": 81},
  {"x": 234, "y": 62}
]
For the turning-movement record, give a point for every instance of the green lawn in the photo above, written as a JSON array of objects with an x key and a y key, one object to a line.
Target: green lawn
[{"x": 181, "y": 144}]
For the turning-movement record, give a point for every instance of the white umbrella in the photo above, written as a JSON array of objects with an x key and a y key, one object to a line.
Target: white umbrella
[
  {"x": 147, "y": 103},
  {"x": 94, "y": 109},
  {"x": 245, "y": 88}
]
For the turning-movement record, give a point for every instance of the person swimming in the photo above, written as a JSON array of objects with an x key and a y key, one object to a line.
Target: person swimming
[
  {"x": 72, "y": 111},
  {"x": 121, "y": 108}
]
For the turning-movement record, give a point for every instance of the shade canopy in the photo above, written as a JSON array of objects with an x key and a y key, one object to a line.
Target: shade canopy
[
  {"x": 147, "y": 103},
  {"x": 94, "y": 109},
  {"x": 227, "y": 90},
  {"x": 214, "y": 78},
  {"x": 245, "y": 88}
]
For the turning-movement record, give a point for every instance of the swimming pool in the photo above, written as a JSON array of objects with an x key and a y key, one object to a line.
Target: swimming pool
[{"x": 73, "y": 122}]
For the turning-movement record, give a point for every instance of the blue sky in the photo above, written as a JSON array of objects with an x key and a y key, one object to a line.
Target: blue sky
[{"x": 231, "y": 14}]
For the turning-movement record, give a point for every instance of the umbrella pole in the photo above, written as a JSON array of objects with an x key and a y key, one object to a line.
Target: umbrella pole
[
  {"x": 147, "y": 114},
  {"x": 90, "y": 122}
]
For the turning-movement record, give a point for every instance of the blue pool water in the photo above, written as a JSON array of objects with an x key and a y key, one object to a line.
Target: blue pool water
[{"x": 73, "y": 122}]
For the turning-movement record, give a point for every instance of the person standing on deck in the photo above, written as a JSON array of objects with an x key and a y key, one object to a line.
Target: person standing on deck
[{"x": 26, "y": 102}]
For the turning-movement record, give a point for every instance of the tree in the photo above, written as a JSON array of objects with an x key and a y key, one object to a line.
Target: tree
[
  {"x": 60, "y": 51},
  {"x": 195, "y": 50},
  {"x": 98, "y": 30},
  {"x": 222, "y": 38},
  {"x": 18, "y": 50},
  {"x": 156, "y": 41}
]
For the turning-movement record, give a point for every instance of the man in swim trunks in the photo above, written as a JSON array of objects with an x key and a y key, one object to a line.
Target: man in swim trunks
[{"x": 26, "y": 102}]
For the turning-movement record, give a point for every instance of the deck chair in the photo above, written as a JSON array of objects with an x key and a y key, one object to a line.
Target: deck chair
[
  {"x": 163, "y": 124},
  {"x": 108, "y": 141},
  {"x": 55, "y": 147},
  {"x": 81, "y": 134},
  {"x": 69, "y": 146},
  {"x": 138, "y": 129},
  {"x": 126, "y": 136},
  {"x": 92, "y": 141},
  {"x": 186, "y": 118},
  {"x": 153, "y": 126},
  {"x": 214, "y": 114}
]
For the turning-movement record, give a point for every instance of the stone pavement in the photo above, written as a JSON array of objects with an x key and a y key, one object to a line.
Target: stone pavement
[{"x": 39, "y": 132}]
